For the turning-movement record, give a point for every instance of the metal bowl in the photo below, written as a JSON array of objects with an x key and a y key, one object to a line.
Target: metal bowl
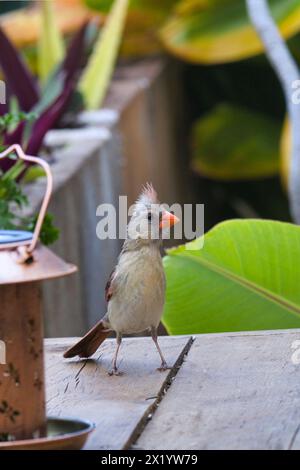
[
  {"x": 12, "y": 236},
  {"x": 62, "y": 434}
]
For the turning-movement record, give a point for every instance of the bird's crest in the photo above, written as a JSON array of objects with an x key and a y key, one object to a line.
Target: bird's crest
[
  {"x": 146, "y": 199},
  {"x": 148, "y": 195}
]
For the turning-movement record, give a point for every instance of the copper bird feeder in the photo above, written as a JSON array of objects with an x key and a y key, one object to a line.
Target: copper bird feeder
[{"x": 24, "y": 264}]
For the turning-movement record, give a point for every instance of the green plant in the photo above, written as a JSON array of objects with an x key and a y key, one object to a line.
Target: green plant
[
  {"x": 49, "y": 233},
  {"x": 234, "y": 143},
  {"x": 12, "y": 198},
  {"x": 38, "y": 109},
  {"x": 9, "y": 121},
  {"x": 246, "y": 277},
  {"x": 66, "y": 86},
  {"x": 50, "y": 46},
  {"x": 96, "y": 77},
  {"x": 10, "y": 193}
]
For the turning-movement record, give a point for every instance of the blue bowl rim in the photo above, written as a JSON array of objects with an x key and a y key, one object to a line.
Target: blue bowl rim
[{"x": 15, "y": 236}]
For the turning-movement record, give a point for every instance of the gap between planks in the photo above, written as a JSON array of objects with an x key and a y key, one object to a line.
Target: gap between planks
[
  {"x": 160, "y": 396},
  {"x": 118, "y": 406}
]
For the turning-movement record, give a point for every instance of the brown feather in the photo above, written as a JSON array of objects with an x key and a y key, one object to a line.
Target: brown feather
[
  {"x": 90, "y": 342},
  {"x": 108, "y": 287}
]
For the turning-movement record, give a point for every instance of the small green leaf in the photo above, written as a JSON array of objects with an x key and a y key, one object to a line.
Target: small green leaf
[
  {"x": 33, "y": 173},
  {"x": 246, "y": 277},
  {"x": 49, "y": 233},
  {"x": 96, "y": 77},
  {"x": 233, "y": 143},
  {"x": 14, "y": 172}
]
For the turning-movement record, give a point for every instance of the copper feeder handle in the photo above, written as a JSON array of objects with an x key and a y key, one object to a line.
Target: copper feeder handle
[{"x": 39, "y": 161}]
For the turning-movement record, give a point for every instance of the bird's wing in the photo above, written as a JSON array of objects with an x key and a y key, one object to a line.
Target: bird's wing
[{"x": 109, "y": 288}]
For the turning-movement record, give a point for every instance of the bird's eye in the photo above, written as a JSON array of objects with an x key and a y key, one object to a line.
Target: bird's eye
[{"x": 149, "y": 217}]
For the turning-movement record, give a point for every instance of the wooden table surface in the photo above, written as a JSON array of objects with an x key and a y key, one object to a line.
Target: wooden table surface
[{"x": 224, "y": 391}]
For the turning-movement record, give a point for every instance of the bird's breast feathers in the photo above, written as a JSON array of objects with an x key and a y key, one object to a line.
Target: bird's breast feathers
[{"x": 138, "y": 290}]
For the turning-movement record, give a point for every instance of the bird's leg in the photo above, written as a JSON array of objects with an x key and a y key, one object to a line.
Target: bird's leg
[
  {"x": 164, "y": 365},
  {"x": 115, "y": 370}
]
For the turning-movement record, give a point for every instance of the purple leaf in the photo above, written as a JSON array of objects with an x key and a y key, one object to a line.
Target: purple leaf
[
  {"x": 68, "y": 72},
  {"x": 3, "y": 109},
  {"x": 15, "y": 137},
  {"x": 70, "y": 67},
  {"x": 48, "y": 120},
  {"x": 21, "y": 82},
  {"x": 44, "y": 123},
  {"x": 74, "y": 59}
]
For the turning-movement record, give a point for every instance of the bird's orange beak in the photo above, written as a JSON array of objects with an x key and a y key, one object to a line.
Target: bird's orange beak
[{"x": 168, "y": 220}]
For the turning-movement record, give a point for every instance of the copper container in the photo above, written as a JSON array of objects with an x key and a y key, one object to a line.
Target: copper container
[{"x": 24, "y": 265}]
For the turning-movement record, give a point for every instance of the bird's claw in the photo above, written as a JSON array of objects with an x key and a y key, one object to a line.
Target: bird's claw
[
  {"x": 164, "y": 366},
  {"x": 115, "y": 372}
]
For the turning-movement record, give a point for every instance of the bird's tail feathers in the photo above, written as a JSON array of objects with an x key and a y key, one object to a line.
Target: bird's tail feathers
[{"x": 90, "y": 342}]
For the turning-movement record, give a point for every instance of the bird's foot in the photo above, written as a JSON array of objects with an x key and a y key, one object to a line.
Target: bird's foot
[
  {"x": 164, "y": 366},
  {"x": 115, "y": 371}
]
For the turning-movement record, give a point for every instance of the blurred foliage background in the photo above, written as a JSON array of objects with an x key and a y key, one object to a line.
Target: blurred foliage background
[
  {"x": 235, "y": 107},
  {"x": 226, "y": 76},
  {"x": 238, "y": 147}
]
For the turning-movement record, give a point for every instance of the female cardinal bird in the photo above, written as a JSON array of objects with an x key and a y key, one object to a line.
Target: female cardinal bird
[{"x": 135, "y": 291}]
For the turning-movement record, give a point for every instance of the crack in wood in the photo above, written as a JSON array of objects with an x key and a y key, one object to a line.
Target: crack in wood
[
  {"x": 140, "y": 427},
  {"x": 290, "y": 446},
  {"x": 81, "y": 369}
]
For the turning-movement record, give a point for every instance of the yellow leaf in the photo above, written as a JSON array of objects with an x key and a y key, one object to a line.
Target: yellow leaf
[
  {"x": 285, "y": 153},
  {"x": 96, "y": 77},
  {"x": 50, "y": 45},
  {"x": 144, "y": 19},
  {"x": 233, "y": 143},
  {"x": 219, "y": 31}
]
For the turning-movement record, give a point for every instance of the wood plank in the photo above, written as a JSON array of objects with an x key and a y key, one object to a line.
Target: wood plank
[
  {"x": 234, "y": 391},
  {"x": 117, "y": 405}
]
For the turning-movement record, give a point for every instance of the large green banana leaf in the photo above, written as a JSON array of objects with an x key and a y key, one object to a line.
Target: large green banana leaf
[
  {"x": 233, "y": 143},
  {"x": 218, "y": 31},
  {"x": 246, "y": 277}
]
